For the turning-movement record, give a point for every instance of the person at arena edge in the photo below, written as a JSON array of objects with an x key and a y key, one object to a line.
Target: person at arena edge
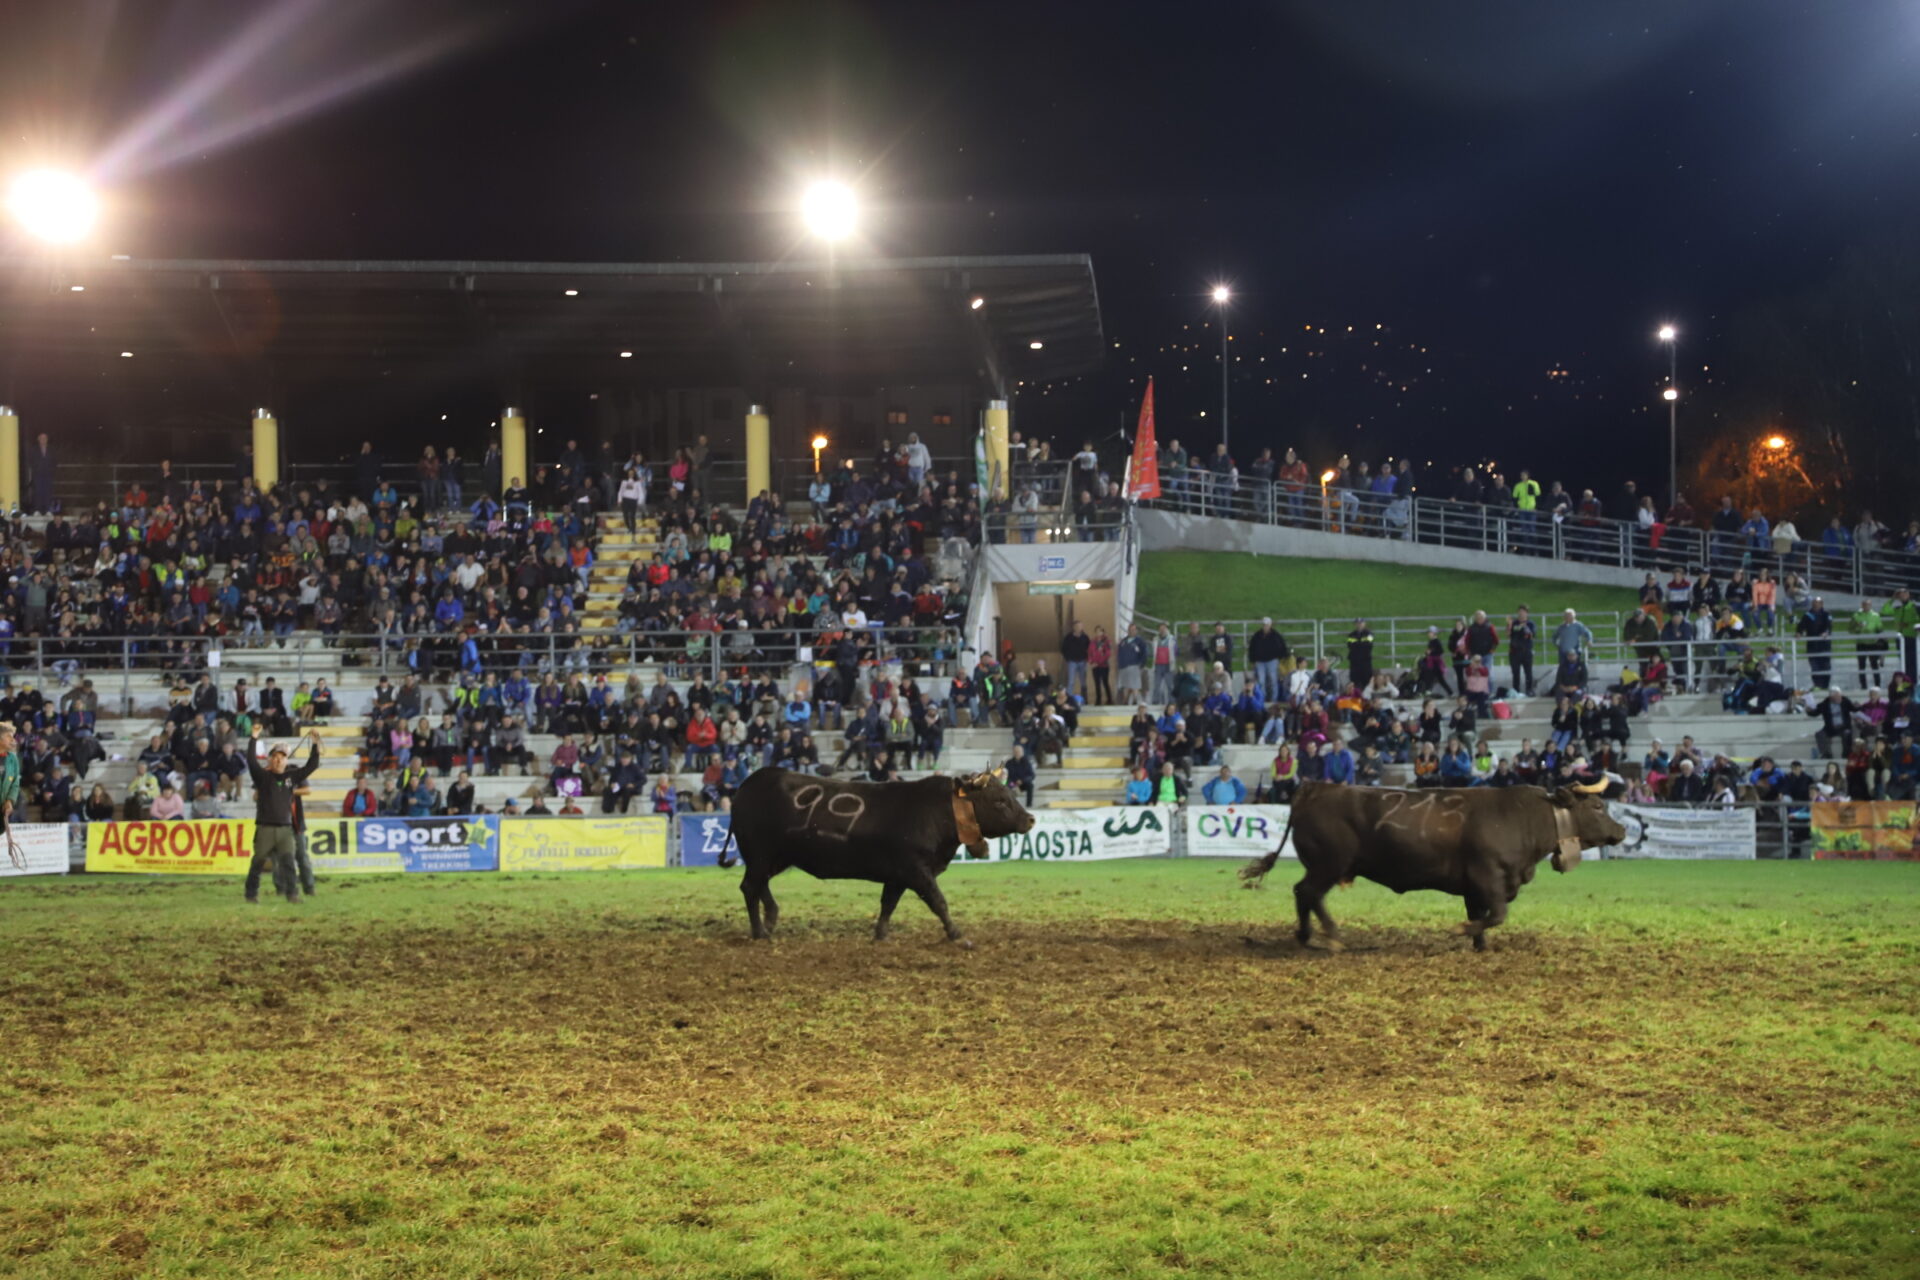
[
  {"x": 9, "y": 775},
  {"x": 273, "y": 842}
]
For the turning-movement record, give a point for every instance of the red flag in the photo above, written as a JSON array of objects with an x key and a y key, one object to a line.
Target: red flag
[{"x": 1144, "y": 478}]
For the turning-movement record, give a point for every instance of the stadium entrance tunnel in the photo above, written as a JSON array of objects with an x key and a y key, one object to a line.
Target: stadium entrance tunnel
[{"x": 1033, "y": 616}]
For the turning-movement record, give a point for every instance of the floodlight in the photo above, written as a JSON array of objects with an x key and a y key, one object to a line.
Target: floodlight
[
  {"x": 830, "y": 210},
  {"x": 1671, "y": 393},
  {"x": 53, "y": 206},
  {"x": 1668, "y": 333},
  {"x": 1221, "y": 293}
]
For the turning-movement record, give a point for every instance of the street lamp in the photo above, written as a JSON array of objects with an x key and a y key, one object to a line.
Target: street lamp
[
  {"x": 1222, "y": 295},
  {"x": 819, "y": 443},
  {"x": 1671, "y": 336},
  {"x": 830, "y": 210},
  {"x": 1775, "y": 442},
  {"x": 53, "y": 206}
]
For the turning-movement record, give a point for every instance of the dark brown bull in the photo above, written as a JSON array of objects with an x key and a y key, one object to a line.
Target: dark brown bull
[
  {"x": 898, "y": 834},
  {"x": 1480, "y": 844}
]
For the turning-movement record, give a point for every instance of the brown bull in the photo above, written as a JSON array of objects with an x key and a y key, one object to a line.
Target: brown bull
[{"x": 1480, "y": 844}]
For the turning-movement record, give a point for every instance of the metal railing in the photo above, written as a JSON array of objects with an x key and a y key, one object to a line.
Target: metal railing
[
  {"x": 1698, "y": 666},
  {"x": 1624, "y": 544},
  {"x": 131, "y": 670},
  {"x": 1014, "y": 527}
]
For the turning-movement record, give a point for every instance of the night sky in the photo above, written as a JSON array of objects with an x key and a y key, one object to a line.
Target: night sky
[{"x": 1503, "y": 198}]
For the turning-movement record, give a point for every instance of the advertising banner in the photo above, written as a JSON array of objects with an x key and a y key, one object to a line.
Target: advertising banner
[
  {"x": 435, "y": 844},
  {"x": 702, "y": 837},
  {"x": 582, "y": 844},
  {"x": 1864, "y": 831},
  {"x": 1087, "y": 835},
  {"x": 218, "y": 847},
  {"x": 42, "y": 846},
  {"x": 333, "y": 845},
  {"x": 1237, "y": 830},
  {"x": 1664, "y": 831}
]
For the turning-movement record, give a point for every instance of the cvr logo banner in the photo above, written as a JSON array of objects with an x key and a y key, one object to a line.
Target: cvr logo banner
[
  {"x": 1237, "y": 831},
  {"x": 434, "y": 844}
]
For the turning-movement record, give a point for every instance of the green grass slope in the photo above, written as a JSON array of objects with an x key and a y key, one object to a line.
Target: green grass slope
[
  {"x": 1700, "y": 1070},
  {"x": 1205, "y": 585}
]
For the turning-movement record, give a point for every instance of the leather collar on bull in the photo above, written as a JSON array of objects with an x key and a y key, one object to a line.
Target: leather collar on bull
[{"x": 966, "y": 826}]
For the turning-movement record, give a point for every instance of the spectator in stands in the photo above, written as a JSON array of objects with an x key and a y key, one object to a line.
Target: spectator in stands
[
  {"x": 1169, "y": 788},
  {"x": 167, "y": 805},
  {"x": 1075, "y": 648},
  {"x": 1687, "y": 786},
  {"x": 1223, "y": 789},
  {"x": 1134, "y": 656},
  {"x": 1165, "y": 658},
  {"x": 1020, "y": 773},
  {"x": 1834, "y": 738},
  {"x": 1266, "y": 650},
  {"x": 1816, "y": 626}
]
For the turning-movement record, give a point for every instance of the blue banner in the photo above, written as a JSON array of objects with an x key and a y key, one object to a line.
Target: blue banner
[
  {"x": 435, "y": 844},
  {"x": 702, "y": 836}
]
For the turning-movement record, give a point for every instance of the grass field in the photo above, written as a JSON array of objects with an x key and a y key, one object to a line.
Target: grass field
[
  {"x": 1663, "y": 1069},
  {"x": 1205, "y": 585}
]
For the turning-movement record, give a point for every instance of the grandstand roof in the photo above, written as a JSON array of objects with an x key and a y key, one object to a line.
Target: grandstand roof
[{"x": 857, "y": 321}]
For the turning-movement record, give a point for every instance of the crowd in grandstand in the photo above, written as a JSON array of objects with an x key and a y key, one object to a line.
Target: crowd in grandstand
[
  {"x": 468, "y": 588},
  {"x": 473, "y": 594}
]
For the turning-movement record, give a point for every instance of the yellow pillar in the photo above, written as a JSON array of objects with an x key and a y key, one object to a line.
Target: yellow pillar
[
  {"x": 266, "y": 449},
  {"x": 513, "y": 448},
  {"x": 9, "y": 459},
  {"x": 759, "y": 451},
  {"x": 996, "y": 424}
]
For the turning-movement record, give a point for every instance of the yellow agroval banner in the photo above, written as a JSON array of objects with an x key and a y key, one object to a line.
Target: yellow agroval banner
[
  {"x": 224, "y": 847},
  {"x": 582, "y": 844},
  {"x": 221, "y": 847}
]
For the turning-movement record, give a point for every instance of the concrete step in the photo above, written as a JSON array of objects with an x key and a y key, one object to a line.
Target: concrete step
[{"x": 1108, "y": 763}]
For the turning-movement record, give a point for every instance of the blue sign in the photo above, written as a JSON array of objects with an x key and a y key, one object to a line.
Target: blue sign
[
  {"x": 1053, "y": 564},
  {"x": 702, "y": 837},
  {"x": 435, "y": 844}
]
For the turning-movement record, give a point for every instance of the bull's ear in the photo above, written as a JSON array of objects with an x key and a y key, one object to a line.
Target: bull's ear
[
  {"x": 1564, "y": 798},
  {"x": 1000, "y": 774}
]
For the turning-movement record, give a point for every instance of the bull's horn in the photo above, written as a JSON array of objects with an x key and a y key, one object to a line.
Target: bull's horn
[
  {"x": 1590, "y": 788},
  {"x": 1000, "y": 773}
]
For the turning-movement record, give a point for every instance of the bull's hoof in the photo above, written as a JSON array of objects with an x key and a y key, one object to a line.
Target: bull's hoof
[
  {"x": 965, "y": 944},
  {"x": 1333, "y": 944},
  {"x": 1469, "y": 929}
]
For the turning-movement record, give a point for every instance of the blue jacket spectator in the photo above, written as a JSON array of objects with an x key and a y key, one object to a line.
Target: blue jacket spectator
[
  {"x": 1339, "y": 764},
  {"x": 1224, "y": 789}
]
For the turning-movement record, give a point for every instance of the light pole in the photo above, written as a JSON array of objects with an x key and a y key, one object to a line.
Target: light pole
[
  {"x": 1221, "y": 296},
  {"x": 1671, "y": 336}
]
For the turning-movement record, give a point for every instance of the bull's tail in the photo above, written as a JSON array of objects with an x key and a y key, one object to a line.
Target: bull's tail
[
  {"x": 1256, "y": 871},
  {"x": 725, "y": 845}
]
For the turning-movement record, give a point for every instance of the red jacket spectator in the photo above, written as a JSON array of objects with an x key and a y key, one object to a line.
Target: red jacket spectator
[{"x": 702, "y": 732}]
